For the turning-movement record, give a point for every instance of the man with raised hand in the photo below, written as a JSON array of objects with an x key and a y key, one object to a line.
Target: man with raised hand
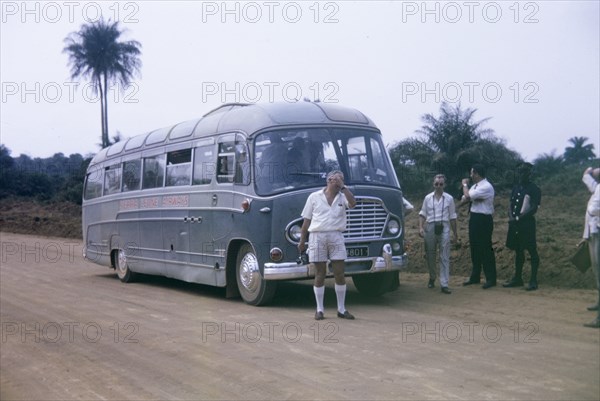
[{"x": 325, "y": 218}]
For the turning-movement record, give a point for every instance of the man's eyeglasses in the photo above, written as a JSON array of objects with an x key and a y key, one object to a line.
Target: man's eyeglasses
[{"x": 438, "y": 184}]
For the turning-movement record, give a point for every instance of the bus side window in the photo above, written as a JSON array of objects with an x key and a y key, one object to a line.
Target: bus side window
[
  {"x": 179, "y": 168},
  {"x": 204, "y": 165},
  {"x": 132, "y": 171},
  {"x": 154, "y": 172},
  {"x": 112, "y": 179},
  {"x": 93, "y": 185},
  {"x": 225, "y": 162},
  {"x": 242, "y": 164}
]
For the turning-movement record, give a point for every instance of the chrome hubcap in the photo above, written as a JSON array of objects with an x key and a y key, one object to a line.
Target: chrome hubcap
[
  {"x": 121, "y": 262},
  {"x": 249, "y": 272}
]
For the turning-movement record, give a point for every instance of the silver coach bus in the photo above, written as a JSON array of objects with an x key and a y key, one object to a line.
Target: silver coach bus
[{"x": 217, "y": 200}]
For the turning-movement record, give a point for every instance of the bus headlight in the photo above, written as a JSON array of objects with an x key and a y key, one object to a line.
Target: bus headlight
[
  {"x": 295, "y": 232},
  {"x": 393, "y": 227}
]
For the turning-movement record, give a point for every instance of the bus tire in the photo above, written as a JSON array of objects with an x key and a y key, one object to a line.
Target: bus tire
[
  {"x": 253, "y": 288},
  {"x": 122, "y": 267},
  {"x": 374, "y": 285}
]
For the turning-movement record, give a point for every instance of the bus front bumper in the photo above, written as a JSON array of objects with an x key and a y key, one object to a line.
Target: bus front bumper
[{"x": 294, "y": 271}]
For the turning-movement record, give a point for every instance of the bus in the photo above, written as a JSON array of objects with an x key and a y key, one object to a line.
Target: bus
[{"x": 217, "y": 200}]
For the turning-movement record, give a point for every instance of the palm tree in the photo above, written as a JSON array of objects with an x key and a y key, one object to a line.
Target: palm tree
[
  {"x": 579, "y": 152},
  {"x": 95, "y": 52},
  {"x": 452, "y": 137}
]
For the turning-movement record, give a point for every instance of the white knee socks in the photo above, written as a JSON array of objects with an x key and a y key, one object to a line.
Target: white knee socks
[
  {"x": 340, "y": 291},
  {"x": 319, "y": 295}
]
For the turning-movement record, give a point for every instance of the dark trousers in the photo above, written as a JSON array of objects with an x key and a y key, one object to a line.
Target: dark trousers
[
  {"x": 482, "y": 254},
  {"x": 520, "y": 260},
  {"x": 522, "y": 237}
]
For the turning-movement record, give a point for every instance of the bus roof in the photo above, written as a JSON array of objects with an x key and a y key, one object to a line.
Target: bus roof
[{"x": 241, "y": 117}]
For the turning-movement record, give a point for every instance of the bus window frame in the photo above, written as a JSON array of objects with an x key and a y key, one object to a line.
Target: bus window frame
[
  {"x": 236, "y": 175},
  {"x": 199, "y": 154},
  {"x": 110, "y": 190},
  {"x": 140, "y": 176},
  {"x": 145, "y": 160},
  {"x": 178, "y": 166},
  {"x": 95, "y": 172}
]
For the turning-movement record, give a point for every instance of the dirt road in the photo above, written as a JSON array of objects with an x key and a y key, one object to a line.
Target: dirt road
[{"x": 71, "y": 330}]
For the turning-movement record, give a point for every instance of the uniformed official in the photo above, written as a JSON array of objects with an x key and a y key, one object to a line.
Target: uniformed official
[{"x": 524, "y": 202}]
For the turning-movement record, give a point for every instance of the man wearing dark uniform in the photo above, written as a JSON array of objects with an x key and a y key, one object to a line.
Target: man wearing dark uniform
[{"x": 524, "y": 202}]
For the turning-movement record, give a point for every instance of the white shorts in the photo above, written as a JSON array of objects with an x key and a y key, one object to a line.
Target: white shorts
[{"x": 327, "y": 245}]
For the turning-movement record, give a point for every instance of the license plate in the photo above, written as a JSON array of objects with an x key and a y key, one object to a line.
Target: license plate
[{"x": 357, "y": 252}]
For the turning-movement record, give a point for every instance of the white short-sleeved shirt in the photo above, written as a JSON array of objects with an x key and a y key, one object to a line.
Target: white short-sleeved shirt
[
  {"x": 438, "y": 210},
  {"x": 323, "y": 216},
  {"x": 482, "y": 197}
]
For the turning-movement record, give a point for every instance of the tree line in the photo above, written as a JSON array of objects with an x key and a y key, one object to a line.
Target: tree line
[
  {"x": 453, "y": 141},
  {"x": 56, "y": 178}
]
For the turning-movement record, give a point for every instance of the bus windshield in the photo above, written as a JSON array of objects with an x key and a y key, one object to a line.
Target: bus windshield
[{"x": 299, "y": 158}]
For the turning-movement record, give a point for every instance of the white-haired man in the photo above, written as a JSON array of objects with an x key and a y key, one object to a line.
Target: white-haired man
[{"x": 325, "y": 218}]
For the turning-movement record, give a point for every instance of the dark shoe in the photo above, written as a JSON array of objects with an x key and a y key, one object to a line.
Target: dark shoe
[
  {"x": 592, "y": 307},
  {"x": 346, "y": 315},
  {"x": 513, "y": 283},
  {"x": 488, "y": 284},
  {"x": 595, "y": 324},
  {"x": 319, "y": 315},
  {"x": 445, "y": 290},
  {"x": 431, "y": 283},
  {"x": 532, "y": 286},
  {"x": 469, "y": 282}
]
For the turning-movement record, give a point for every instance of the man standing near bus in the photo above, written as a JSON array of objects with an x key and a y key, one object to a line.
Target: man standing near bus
[
  {"x": 481, "y": 226},
  {"x": 325, "y": 218},
  {"x": 436, "y": 218}
]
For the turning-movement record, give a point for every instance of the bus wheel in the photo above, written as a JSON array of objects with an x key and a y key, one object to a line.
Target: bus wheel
[
  {"x": 253, "y": 288},
  {"x": 373, "y": 285},
  {"x": 123, "y": 272}
]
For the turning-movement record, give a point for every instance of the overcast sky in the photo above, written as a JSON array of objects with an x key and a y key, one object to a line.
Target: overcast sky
[{"x": 532, "y": 66}]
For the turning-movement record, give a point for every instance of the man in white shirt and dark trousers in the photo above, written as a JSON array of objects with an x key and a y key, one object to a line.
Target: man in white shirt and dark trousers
[
  {"x": 437, "y": 216},
  {"x": 591, "y": 231},
  {"x": 481, "y": 226},
  {"x": 325, "y": 218}
]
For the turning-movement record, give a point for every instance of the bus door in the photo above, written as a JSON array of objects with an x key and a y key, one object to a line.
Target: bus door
[
  {"x": 222, "y": 200},
  {"x": 233, "y": 179},
  {"x": 152, "y": 248},
  {"x": 200, "y": 220},
  {"x": 175, "y": 205}
]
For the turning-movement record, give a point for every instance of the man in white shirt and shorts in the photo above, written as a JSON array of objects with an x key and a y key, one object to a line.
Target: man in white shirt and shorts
[{"x": 325, "y": 218}]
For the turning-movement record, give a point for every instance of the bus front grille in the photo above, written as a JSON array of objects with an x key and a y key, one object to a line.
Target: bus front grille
[{"x": 366, "y": 220}]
